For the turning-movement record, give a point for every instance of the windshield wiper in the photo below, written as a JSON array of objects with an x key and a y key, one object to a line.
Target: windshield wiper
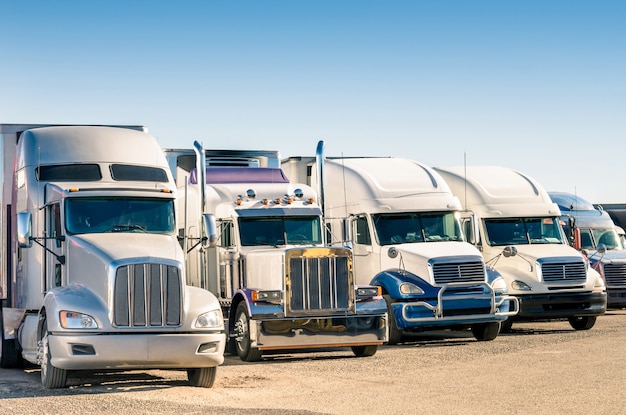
[{"x": 124, "y": 228}]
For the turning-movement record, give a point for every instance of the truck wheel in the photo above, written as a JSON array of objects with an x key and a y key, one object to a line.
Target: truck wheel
[
  {"x": 203, "y": 377},
  {"x": 506, "y": 325},
  {"x": 395, "y": 334},
  {"x": 51, "y": 377},
  {"x": 245, "y": 351},
  {"x": 364, "y": 351},
  {"x": 486, "y": 331},
  {"x": 582, "y": 322}
]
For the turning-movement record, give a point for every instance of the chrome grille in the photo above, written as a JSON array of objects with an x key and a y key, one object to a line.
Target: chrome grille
[
  {"x": 471, "y": 272},
  {"x": 147, "y": 295},
  {"x": 574, "y": 272},
  {"x": 319, "y": 279},
  {"x": 615, "y": 275}
]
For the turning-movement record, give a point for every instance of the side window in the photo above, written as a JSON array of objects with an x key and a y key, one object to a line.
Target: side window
[
  {"x": 361, "y": 231},
  {"x": 55, "y": 223},
  {"x": 226, "y": 234}
]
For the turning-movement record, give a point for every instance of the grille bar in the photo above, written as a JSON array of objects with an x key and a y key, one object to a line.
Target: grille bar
[
  {"x": 147, "y": 295},
  {"x": 319, "y": 283},
  {"x": 471, "y": 272},
  {"x": 571, "y": 272},
  {"x": 615, "y": 275}
]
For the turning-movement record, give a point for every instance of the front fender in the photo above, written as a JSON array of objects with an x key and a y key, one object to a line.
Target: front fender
[
  {"x": 74, "y": 297},
  {"x": 392, "y": 279}
]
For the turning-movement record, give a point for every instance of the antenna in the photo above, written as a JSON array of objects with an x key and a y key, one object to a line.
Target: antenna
[{"x": 465, "y": 180}]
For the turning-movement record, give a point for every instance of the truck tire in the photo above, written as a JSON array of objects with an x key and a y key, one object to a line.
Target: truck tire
[
  {"x": 245, "y": 351},
  {"x": 395, "y": 334},
  {"x": 203, "y": 377},
  {"x": 364, "y": 351},
  {"x": 582, "y": 322},
  {"x": 486, "y": 331},
  {"x": 51, "y": 377},
  {"x": 506, "y": 325}
]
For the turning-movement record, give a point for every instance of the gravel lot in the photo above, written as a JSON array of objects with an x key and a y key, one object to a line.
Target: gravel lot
[{"x": 539, "y": 368}]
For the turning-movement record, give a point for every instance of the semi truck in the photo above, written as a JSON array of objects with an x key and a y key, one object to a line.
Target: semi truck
[
  {"x": 93, "y": 275},
  {"x": 255, "y": 240},
  {"x": 510, "y": 217},
  {"x": 592, "y": 231},
  {"x": 401, "y": 220}
]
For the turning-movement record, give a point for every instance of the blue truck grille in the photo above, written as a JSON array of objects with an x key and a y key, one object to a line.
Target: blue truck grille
[
  {"x": 615, "y": 275},
  {"x": 147, "y": 295},
  {"x": 319, "y": 281},
  {"x": 471, "y": 272},
  {"x": 573, "y": 272}
]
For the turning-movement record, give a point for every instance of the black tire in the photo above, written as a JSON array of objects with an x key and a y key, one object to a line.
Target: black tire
[
  {"x": 364, "y": 351},
  {"x": 395, "y": 334},
  {"x": 203, "y": 377},
  {"x": 506, "y": 325},
  {"x": 582, "y": 322},
  {"x": 51, "y": 377},
  {"x": 245, "y": 351},
  {"x": 486, "y": 331}
]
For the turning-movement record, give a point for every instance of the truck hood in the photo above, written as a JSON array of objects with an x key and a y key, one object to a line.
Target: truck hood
[
  {"x": 92, "y": 259},
  {"x": 535, "y": 252},
  {"x": 119, "y": 246}
]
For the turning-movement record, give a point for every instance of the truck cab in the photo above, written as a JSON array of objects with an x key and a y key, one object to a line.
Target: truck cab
[
  {"x": 94, "y": 274},
  {"x": 513, "y": 222}
]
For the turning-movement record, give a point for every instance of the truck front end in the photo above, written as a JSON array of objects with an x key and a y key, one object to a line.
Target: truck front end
[
  {"x": 550, "y": 279},
  {"x": 305, "y": 297}
]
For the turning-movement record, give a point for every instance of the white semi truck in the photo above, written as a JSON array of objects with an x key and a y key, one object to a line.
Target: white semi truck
[
  {"x": 593, "y": 232},
  {"x": 280, "y": 285},
  {"x": 513, "y": 221},
  {"x": 93, "y": 275},
  {"x": 403, "y": 223}
]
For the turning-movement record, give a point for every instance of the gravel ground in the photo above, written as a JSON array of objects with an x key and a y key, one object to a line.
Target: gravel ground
[{"x": 539, "y": 368}]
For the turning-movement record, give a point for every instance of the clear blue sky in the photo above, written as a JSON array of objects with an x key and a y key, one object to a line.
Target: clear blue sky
[{"x": 536, "y": 85}]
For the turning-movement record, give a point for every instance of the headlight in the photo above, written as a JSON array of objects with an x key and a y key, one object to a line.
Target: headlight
[
  {"x": 367, "y": 292},
  {"x": 520, "y": 286},
  {"x": 274, "y": 297},
  {"x": 499, "y": 285},
  {"x": 408, "y": 288},
  {"x": 74, "y": 320},
  {"x": 210, "y": 320}
]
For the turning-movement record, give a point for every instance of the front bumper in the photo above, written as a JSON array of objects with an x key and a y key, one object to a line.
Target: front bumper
[
  {"x": 449, "y": 312},
  {"x": 320, "y": 332},
  {"x": 561, "y": 305},
  {"x": 137, "y": 351},
  {"x": 616, "y": 297}
]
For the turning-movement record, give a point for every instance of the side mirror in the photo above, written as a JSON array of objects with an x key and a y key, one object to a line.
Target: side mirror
[
  {"x": 509, "y": 251},
  {"x": 601, "y": 248},
  {"x": 209, "y": 230},
  {"x": 24, "y": 229}
]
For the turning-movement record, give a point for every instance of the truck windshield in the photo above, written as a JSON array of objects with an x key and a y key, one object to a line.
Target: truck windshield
[
  {"x": 101, "y": 215},
  {"x": 590, "y": 238},
  {"x": 280, "y": 230},
  {"x": 524, "y": 231},
  {"x": 397, "y": 228}
]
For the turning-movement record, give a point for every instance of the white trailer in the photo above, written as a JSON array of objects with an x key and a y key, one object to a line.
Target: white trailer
[
  {"x": 280, "y": 285},
  {"x": 93, "y": 275},
  {"x": 407, "y": 240},
  {"x": 513, "y": 221}
]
